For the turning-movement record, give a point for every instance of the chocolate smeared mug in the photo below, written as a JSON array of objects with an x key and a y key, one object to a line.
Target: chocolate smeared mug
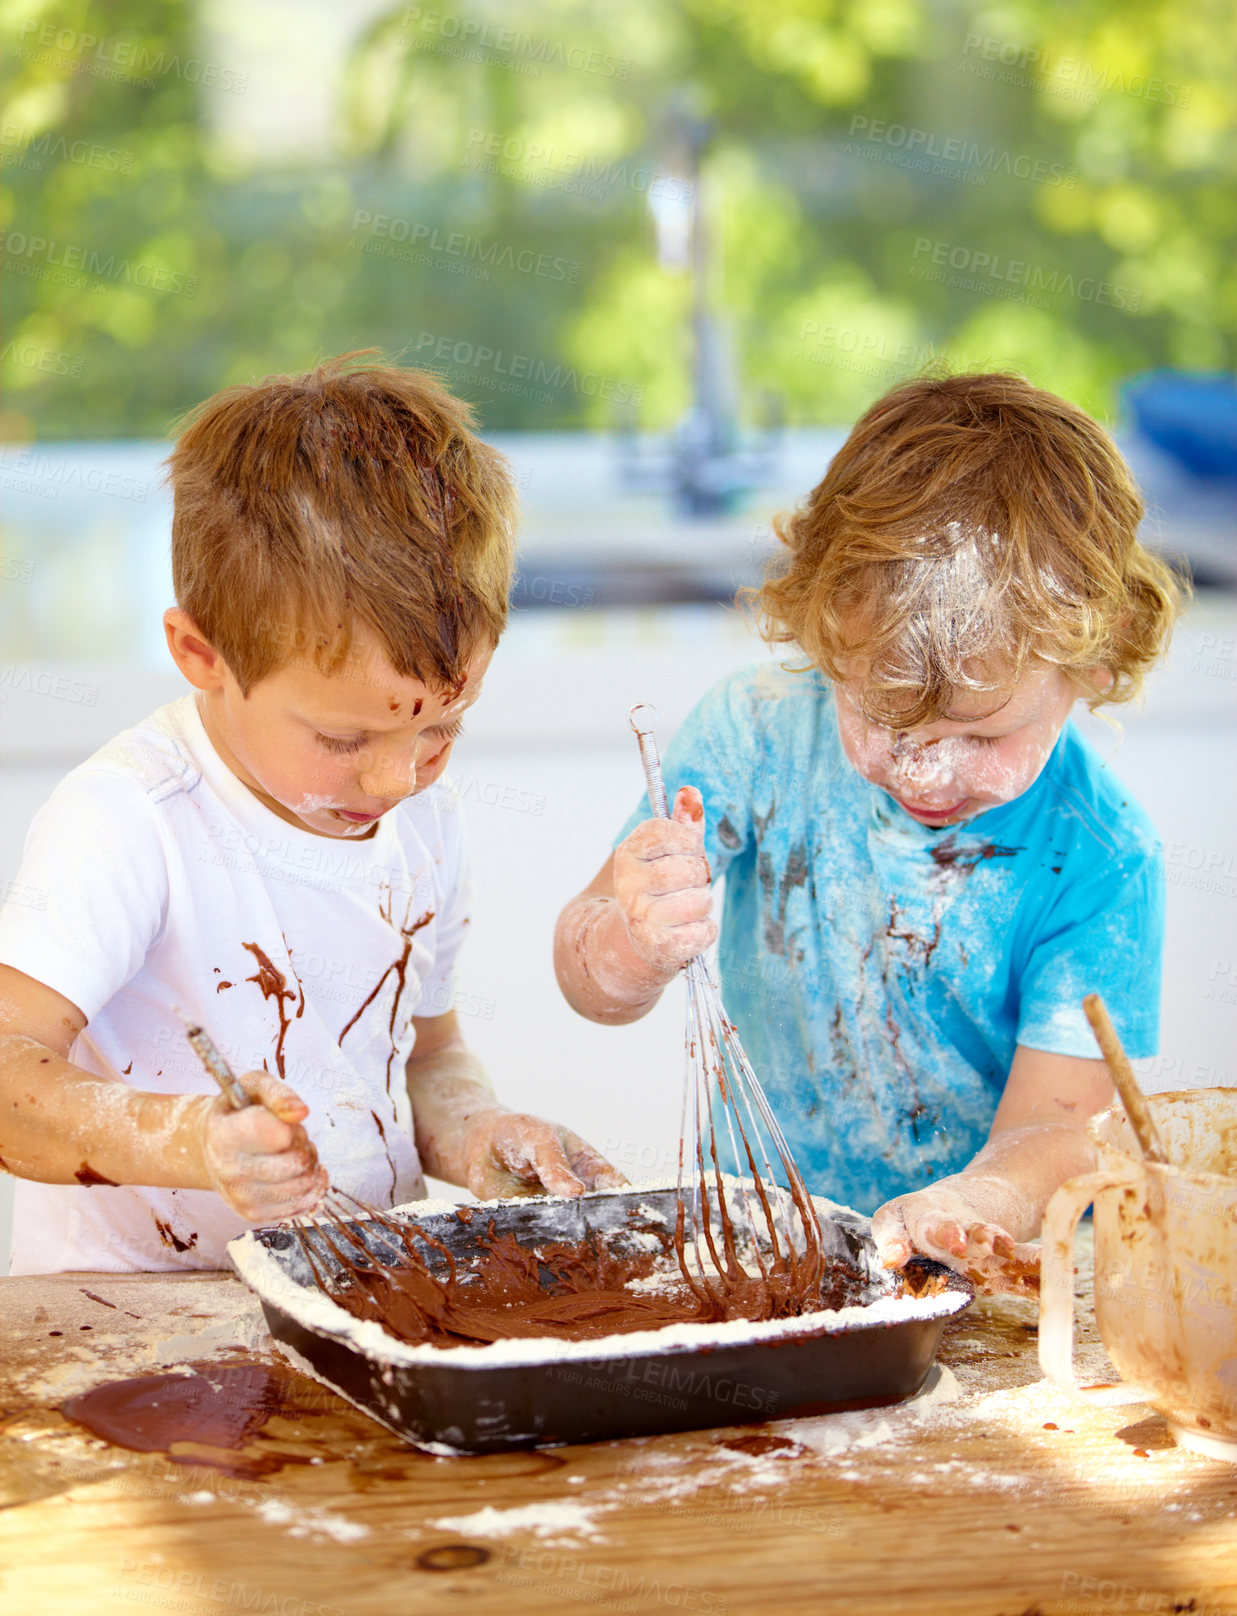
[{"x": 1165, "y": 1268}]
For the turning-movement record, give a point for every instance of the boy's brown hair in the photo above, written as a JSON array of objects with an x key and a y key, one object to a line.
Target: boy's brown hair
[
  {"x": 967, "y": 525},
  {"x": 353, "y": 498}
]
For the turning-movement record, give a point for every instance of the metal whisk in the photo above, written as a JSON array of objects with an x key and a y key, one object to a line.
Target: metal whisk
[
  {"x": 720, "y": 1089},
  {"x": 339, "y": 1210}
]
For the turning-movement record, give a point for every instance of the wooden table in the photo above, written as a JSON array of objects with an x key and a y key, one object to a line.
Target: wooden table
[{"x": 991, "y": 1495}]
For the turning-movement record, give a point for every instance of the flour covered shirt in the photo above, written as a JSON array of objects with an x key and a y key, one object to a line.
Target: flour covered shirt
[
  {"x": 165, "y": 882},
  {"x": 882, "y": 972}
]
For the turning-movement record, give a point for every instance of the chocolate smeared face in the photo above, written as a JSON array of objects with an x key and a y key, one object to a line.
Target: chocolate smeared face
[
  {"x": 332, "y": 753},
  {"x": 950, "y": 771}
]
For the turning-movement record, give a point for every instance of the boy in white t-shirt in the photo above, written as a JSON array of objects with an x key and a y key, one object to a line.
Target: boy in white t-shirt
[{"x": 276, "y": 854}]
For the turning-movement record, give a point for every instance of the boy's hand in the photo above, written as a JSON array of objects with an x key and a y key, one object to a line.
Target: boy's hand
[
  {"x": 971, "y": 1220},
  {"x": 510, "y": 1153},
  {"x": 661, "y": 882},
  {"x": 949, "y": 1225},
  {"x": 260, "y": 1159}
]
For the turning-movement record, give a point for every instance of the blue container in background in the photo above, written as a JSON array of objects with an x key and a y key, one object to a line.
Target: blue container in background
[{"x": 1193, "y": 418}]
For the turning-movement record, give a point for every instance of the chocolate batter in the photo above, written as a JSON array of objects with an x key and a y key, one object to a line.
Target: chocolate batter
[{"x": 572, "y": 1290}]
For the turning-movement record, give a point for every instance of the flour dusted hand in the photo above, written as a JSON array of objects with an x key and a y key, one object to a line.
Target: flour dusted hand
[
  {"x": 260, "y": 1159},
  {"x": 661, "y": 883},
  {"x": 952, "y": 1222},
  {"x": 510, "y": 1153}
]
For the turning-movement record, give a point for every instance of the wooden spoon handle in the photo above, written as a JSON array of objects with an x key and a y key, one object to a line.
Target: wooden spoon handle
[{"x": 1132, "y": 1097}]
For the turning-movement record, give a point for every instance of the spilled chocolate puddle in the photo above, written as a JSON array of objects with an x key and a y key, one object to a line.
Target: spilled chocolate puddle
[{"x": 205, "y": 1417}]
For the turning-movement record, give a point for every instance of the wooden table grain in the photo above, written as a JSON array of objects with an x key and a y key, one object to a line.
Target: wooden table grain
[{"x": 990, "y": 1495}]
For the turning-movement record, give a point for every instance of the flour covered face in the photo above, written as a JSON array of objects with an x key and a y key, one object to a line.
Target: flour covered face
[
  {"x": 332, "y": 753},
  {"x": 953, "y": 769}
]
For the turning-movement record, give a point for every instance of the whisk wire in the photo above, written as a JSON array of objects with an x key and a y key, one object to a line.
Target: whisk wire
[
  {"x": 778, "y": 1223},
  {"x": 719, "y": 1030},
  {"x": 339, "y": 1208}
]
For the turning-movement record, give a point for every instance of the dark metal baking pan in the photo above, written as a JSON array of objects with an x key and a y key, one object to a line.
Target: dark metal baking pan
[{"x": 529, "y": 1392}]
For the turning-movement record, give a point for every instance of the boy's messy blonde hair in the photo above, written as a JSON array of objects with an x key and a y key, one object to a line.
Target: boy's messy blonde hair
[
  {"x": 354, "y": 498},
  {"x": 967, "y": 525}
]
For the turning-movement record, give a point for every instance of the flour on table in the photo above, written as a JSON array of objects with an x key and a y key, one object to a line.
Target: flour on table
[
  {"x": 307, "y": 1522},
  {"x": 557, "y": 1520}
]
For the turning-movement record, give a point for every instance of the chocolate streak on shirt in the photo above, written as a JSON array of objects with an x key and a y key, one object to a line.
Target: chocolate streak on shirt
[
  {"x": 571, "y": 1290},
  {"x": 399, "y": 967},
  {"x": 170, "y": 1238},
  {"x": 273, "y": 984},
  {"x": 948, "y": 855},
  {"x": 383, "y": 1135},
  {"x": 86, "y": 1175},
  {"x": 898, "y": 929}
]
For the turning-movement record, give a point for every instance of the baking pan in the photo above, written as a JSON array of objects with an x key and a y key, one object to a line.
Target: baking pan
[{"x": 541, "y": 1390}]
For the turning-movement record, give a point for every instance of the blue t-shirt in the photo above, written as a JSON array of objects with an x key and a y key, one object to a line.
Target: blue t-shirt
[{"x": 880, "y": 972}]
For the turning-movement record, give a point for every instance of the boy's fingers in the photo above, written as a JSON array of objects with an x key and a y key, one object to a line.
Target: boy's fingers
[
  {"x": 524, "y": 1155},
  {"x": 608, "y": 1178},
  {"x": 679, "y": 872},
  {"x": 941, "y": 1238},
  {"x": 673, "y": 946},
  {"x": 278, "y": 1167},
  {"x": 553, "y": 1168},
  {"x": 688, "y": 807},
  {"x": 254, "y": 1136},
  {"x": 590, "y": 1166},
  {"x": 243, "y": 1136},
  {"x": 662, "y": 884},
  {"x": 893, "y": 1244},
  {"x": 273, "y": 1197},
  {"x": 271, "y": 1092},
  {"x": 659, "y": 838},
  {"x": 676, "y": 932},
  {"x": 660, "y": 919},
  {"x": 263, "y": 1200},
  {"x": 679, "y": 909},
  {"x": 1014, "y": 1273},
  {"x": 942, "y": 1226},
  {"x": 256, "y": 1132},
  {"x": 989, "y": 1242},
  {"x": 260, "y": 1159},
  {"x": 534, "y": 1150},
  {"x": 260, "y": 1205}
]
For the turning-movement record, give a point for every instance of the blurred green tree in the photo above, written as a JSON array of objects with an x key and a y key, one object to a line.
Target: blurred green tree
[{"x": 1030, "y": 183}]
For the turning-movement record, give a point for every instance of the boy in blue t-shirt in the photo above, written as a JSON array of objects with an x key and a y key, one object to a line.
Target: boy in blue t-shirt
[{"x": 926, "y": 867}]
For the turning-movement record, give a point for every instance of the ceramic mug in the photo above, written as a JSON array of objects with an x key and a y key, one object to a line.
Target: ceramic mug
[{"x": 1165, "y": 1268}]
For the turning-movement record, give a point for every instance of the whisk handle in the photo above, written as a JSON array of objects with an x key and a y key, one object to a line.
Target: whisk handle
[
  {"x": 204, "y": 1048},
  {"x": 642, "y": 718}
]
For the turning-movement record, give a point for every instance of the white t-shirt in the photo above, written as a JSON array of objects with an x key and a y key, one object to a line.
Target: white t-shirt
[{"x": 153, "y": 878}]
